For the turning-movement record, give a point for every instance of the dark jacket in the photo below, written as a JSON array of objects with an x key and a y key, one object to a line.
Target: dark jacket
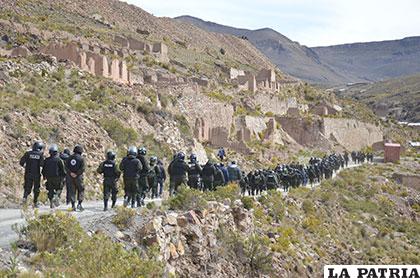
[
  {"x": 131, "y": 167},
  {"x": 53, "y": 167},
  {"x": 225, "y": 174},
  {"x": 194, "y": 170},
  {"x": 162, "y": 173},
  {"x": 144, "y": 164},
  {"x": 75, "y": 164},
  {"x": 32, "y": 161},
  {"x": 178, "y": 168},
  {"x": 209, "y": 171},
  {"x": 234, "y": 172},
  {"x": 109, "y": 169},
  {"x": 219, "y": 178}
]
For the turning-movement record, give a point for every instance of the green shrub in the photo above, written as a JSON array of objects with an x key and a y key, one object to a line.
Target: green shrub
[
  {"x": 248, "y": 202},
  {"x": 49, "y": 232},
  {"x": 123, "y": 217},
  {"x": 274, "y": 203},
  {"x": 187, "y": 199},
  {"x": 218, "y": 95},
  {"x": 145, "y": 108},
  {"x": 230, "y": 191},
  {"x": 118, "y": 132}
]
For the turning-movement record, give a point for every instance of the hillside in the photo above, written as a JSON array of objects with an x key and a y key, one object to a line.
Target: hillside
[
  {"x": 398, "y": 98},
  {"x": 331, "y": 65},
  {"x": 293, "y": 58}
]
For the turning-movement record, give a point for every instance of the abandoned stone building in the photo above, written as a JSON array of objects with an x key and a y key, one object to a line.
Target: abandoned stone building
[{"x": 264, "y": 80}]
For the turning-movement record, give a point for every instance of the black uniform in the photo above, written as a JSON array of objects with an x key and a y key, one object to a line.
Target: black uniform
[
  {"x": 111, "y": 175},
  {"x": 131, "y": 167},
  {"x": 32, "y": 161},
  {"x": 143, "y": 185},
  {"x": 161, "y": 179},
  {"x": 54, "y": 172},
  {"x": 152, "y": 179},
  {"x": 219, "y": 178},
  {"x": 194, "y": 173},
  {"x": 208, "y": 173},
  {"x": 64, "y": 156},
  {"x": 75, "y": 166},
  {"x": 178, "y": 175}
]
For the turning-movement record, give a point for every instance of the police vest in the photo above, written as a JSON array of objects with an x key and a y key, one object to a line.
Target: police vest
[{"x": 109, "y": 169}]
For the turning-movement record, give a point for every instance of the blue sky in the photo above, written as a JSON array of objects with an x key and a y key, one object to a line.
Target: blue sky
[{"x": 310, "y": 22}]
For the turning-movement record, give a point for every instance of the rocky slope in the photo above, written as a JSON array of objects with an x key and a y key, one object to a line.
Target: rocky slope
[
  {"x": 397, "y": 98},
  {"x": 331, "y": 65}
]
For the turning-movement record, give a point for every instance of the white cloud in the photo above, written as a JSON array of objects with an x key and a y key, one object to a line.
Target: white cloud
[{"x": 311, "y": 22}]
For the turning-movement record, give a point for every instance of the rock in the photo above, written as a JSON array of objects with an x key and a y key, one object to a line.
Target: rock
[
  {"x": 119, "y": 235},
  {"x": 20, "y": 51},
  {"x": 180, "y": 248},
  {"x": 171, "y": 218},
  {"x": 192, "y": 217},
  {"x": 182, "y": 221},
  {"x": 212, "y": 240},
  {"x": 170, "y": 271},
  {"x": 173, "y": 251},
  {"x": 202, "y": 213},
  {"x": 194, "y": 233},
  {"x": 169, "y": 229}
]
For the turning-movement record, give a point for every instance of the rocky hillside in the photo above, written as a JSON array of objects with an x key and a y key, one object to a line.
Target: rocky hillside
[
  {"x": 331, "y": 65},
  {"x": 374, "y": 61},
  {"x": 295, "y": 59},
  {"x": 397, "y": 98}
]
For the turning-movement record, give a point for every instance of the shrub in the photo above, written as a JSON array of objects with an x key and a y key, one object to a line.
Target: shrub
[
  {"x": 145, "y": 108},
  {"x": 123, "y": 217},
  {"x": 49, "y": 232},
  {"x": 218, "y": 95},
  {"x": 118, "y": 132},
  {"x": 230, "y": 191},
  {"x": 274, "y": 203},
  {"x": 248, "y": 202},
  {"x": 187, "y": 198}
]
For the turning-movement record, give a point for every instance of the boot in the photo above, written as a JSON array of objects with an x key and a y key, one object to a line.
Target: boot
[
  {"x": 113, "y": 203},
  {"x": 105, "y": 205},
  {"x": 133, "y": 203},
  {"x": 79, "y": 206},
  {"x": 57, "y": 201},
  {"x": 51, "y": 204},
  {"x": 138, "y": 199},
  {"x": 73, "y": 206}
]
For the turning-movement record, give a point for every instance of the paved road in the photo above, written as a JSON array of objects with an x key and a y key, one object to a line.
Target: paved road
[{"x": 93, "y": 209}]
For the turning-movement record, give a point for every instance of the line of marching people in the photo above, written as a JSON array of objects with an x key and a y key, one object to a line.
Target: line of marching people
[{"x": 143, "y": 177}]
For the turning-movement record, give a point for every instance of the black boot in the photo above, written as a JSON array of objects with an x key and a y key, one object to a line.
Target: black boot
[
  {"x": 114, "y": 201},
  {"x": 79, "y": 206},
  {"x": 73, "y": 206},
  {"x": 138, "y": 199},
  {"x": 133, "y": 203},
  {"x": 51, "y": 203},
  {"x": 105, "y": 205}
]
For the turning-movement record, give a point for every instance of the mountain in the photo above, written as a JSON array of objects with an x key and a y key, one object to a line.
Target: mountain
[
  {"x": 331, "y": 65},
  {"x": 293, "y": 58},
  {"x": 396, "y": 97}
]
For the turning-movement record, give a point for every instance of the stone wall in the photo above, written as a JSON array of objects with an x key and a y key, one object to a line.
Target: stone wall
[
  {"x": 351, "y": 134},
  {"x": 412, "y": 181},
  {"x": 303, "y": 131}
]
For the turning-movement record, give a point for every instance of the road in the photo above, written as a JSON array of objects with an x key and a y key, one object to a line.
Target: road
[{"x": 93, "y": 210}]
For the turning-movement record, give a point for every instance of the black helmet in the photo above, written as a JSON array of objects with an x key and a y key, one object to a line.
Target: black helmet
[
  {"x": 193, "y": 158},
  {"x": 153, "y": 160},
  {"x": 66, "y": 151},
  {"x": 78, "y": 149},
  {"x": 132, "y": 151},
  {"x": 53, "y": 149},
  {"x": 181, "y": 156},
  {"x": 142, "y": 151},
  {"x": 110, "y": 155},
  {"x": 38, "y": 146}
]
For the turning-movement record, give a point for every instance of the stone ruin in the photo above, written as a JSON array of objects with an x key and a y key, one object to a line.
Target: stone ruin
[
  {"x": 159, "y": 50},
  {"x": 264, "y": 80},
  {"x": 325, "y": 109},
  {"x": 100, "y": 61}
]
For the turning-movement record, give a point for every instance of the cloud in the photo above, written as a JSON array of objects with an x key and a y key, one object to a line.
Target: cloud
[{"x": 311, "y": 22}]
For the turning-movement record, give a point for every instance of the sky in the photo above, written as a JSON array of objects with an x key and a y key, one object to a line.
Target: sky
[{"x": 310, "y": 22}]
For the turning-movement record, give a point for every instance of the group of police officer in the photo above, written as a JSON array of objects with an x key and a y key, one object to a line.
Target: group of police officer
[{"x": 142, "y": 177}]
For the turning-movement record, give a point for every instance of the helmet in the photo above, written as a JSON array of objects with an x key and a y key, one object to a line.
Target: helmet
[
  {"x": 181, "y": 156},
  {"x": 132, "y": 151},
  {"x": 142, "y": 151},
  {"x": 53, "y": 149},
  {"x": 153, "y": 160},
  {"x": 78, "y": 149},
  {"x": 193, "y": 158},
  {"x": 38, "y": 146},
  {"x": 110, "y": 155},
  {"x": 66, "y": 151}
]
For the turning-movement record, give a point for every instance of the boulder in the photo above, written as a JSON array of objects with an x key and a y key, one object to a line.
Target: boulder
[
  {"x": 171, "y": 218},
  {"x": 182, "y": 221},
  {"x": 192, "y": 217},
  {"x": 173, "y": 251}
]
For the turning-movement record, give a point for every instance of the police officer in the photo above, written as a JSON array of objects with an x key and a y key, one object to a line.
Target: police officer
[
  {"x": 177, "y": 173},
  {"x": 208, "y": 174},
  {"x": 161, "y": 178},
  {"x": 234, "y": 172},
  {"x": 219, "y": 178},
  {"x": 54, "y": 172},
  {"x": 194, "y": 173},
  {"x": 131, "y": 167},
  {"x": 152, "y": 176},
  {"x": 64, "y": 156},
  {"x": 32, "y": 160},
  {"x": 143, "y": 185},
  {"x": 111, "y": 175},
  {"x": 75, "y": 166}
]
